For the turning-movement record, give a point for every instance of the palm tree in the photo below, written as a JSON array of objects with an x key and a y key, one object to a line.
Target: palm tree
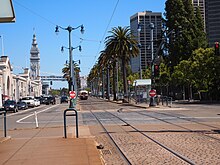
[
  {"x": 108, "y": 61},
  {"x": 92, "y": 78},
  {"x": 66, "y": 73},
  {"x": 119, "y": 44}
]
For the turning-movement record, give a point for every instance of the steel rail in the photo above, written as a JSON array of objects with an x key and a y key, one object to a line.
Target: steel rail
[
  {"x": 111, "y": 138},
  {"x": 155, "y": 141}
]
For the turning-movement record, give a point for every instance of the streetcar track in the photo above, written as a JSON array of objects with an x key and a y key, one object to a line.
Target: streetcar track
[
  {"x": 155, "y": 141},
  {"x": 145, "y": 133},
  {"x": 123, "y": 156},
  {"x": 204, "y": 133},
  {"x": 183, "y": 158}
]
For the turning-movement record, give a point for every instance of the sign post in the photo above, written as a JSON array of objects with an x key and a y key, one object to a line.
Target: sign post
[
  {"x": 72, "y": 94},
  {"x": 152, "y": 94},
  {"x": 72, "y": 98}
]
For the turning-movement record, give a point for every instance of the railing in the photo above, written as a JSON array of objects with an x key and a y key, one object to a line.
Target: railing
[
  {"x": 73, "y": 113},
  {"x": 4, "y": 113},
  {"x": 166, "y": 100}
]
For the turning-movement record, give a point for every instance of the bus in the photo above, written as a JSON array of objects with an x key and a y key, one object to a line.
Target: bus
[{"x": 83, "y": 94}]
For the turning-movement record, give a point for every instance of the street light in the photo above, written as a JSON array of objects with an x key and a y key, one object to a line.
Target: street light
[
  {"x": 72, "y": 48},
  {"x": 139, "y": 46},
  {"x": 152, "y": 61},
  {"x": 70, "y": 29}
]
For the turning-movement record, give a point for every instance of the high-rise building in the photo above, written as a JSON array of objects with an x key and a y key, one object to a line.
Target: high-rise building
[
  {"x": 212, "y": 14},
  {"x": 35, "y": 60},
  {"x": 143, "y": 20}
]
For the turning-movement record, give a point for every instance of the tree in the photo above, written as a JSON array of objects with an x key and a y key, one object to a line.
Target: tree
[
  {"x": 181, "y": 19},
  {"x": 200, "y": 40},
  {"x": 119, "y": 43},
  {"x": 183, "y": 74},
  {"x": 92, "y": 78},
  {"x": 175, "y": 18},
  {"x": 204, "y": 69},
  {"x": 66, "y": 74}
]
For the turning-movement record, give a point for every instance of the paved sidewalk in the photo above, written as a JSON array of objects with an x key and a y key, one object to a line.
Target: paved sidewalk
[{"x": 47, "y": 148}]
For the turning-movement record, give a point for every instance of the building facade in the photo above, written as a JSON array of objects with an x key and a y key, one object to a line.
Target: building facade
[
  {"x": 143, "y": 20},
  {"x": 16, "y": 86},
  {"x": 28, "y": 83},
  {"x": 212, "y": 15}
]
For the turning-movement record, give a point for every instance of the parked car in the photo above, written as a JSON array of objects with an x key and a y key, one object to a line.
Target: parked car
[
  {"x": 41, "y": 99},
  {"x": 29, "y": 100},
  {"x": 49, "y": 100},
  {"x": 10, "y": 105},
  {"x": 36, "y": 102},
  {"x": 22, "y": 105},
  {"x": 64, "y": 99}
]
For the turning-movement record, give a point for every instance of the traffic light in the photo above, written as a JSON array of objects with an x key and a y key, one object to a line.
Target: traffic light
[
  {"x": 51, "y": 82},
  {"x": 156, "y": 71},
  {"x": 217, "y": 48}
]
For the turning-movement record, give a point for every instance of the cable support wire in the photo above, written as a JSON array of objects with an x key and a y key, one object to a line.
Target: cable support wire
[
  {"x": 34, "y": 13},
  {"x": 106, "y": 30}
]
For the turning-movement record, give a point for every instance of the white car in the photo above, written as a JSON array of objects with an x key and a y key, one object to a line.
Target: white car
[
  {"x": 37, "y": 102},
  {"x": 29, "y": 100}
]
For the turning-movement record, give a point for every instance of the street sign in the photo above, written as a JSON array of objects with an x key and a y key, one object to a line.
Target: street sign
[
  {"x": 152, "y": 93},
  {"x": 72, "y": 94}
]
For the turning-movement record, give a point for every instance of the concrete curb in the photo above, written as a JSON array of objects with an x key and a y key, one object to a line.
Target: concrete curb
[{"x": 4, "y": 139}]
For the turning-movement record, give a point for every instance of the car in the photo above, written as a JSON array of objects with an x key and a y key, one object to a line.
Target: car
[
  {"x": 36, "y": 102},
  {"x": 64, "y": 99},
  {"x": 41, "y": 99},
  {"x": 10, "y": 105},
  {"x": 49, "y": 100},
  {"x": 22, "y": 105},
  {"x": 29, "y": 100}
]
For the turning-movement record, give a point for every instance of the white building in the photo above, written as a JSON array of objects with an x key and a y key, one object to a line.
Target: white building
[{"x": 17, "y": 86}]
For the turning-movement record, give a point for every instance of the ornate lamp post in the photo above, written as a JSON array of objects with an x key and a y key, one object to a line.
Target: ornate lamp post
[
  {"x": 139, "y": 46},
  {"x": 152, "y": 103},
  {"x": 70, "y": 29}
]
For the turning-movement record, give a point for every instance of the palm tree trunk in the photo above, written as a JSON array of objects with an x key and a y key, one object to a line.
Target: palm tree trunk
[
  {"x": 124, "y": 78},
  {"x": 114, "y": 81}
]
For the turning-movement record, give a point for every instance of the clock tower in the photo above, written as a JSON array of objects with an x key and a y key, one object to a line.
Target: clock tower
[{"x": 34, "y": 60}]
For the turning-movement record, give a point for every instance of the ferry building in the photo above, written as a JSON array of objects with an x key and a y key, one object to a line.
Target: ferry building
[{"x": 28, "y": 83}]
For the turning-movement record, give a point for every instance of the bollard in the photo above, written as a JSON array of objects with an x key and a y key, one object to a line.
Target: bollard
[
  {"x": 36, "y": 121},
  {"x": 5, "y": 130}
]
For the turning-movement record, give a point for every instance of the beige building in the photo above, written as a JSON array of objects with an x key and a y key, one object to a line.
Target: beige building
[{"x": 17, "y": 86}]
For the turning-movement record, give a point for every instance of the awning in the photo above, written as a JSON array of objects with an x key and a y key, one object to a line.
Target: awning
[
  {"x": 142, "y": 82},
  {"x": 6, "y": 11}
]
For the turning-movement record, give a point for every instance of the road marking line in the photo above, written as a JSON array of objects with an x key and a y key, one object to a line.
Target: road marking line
[
  {"x": 22, "y": 111},
  {"x": 18, "y": 121}
]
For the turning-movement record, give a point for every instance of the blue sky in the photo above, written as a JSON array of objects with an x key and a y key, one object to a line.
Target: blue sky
[{"x": 41, "y": 17}]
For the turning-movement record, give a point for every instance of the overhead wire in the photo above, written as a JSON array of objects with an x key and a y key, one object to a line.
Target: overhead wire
[
  {"x": 50, "y": 22},
  {"x": 82, "y": 39},
  {"x": 98, "y": 50},
  {"x": 35, "y": 13}
]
